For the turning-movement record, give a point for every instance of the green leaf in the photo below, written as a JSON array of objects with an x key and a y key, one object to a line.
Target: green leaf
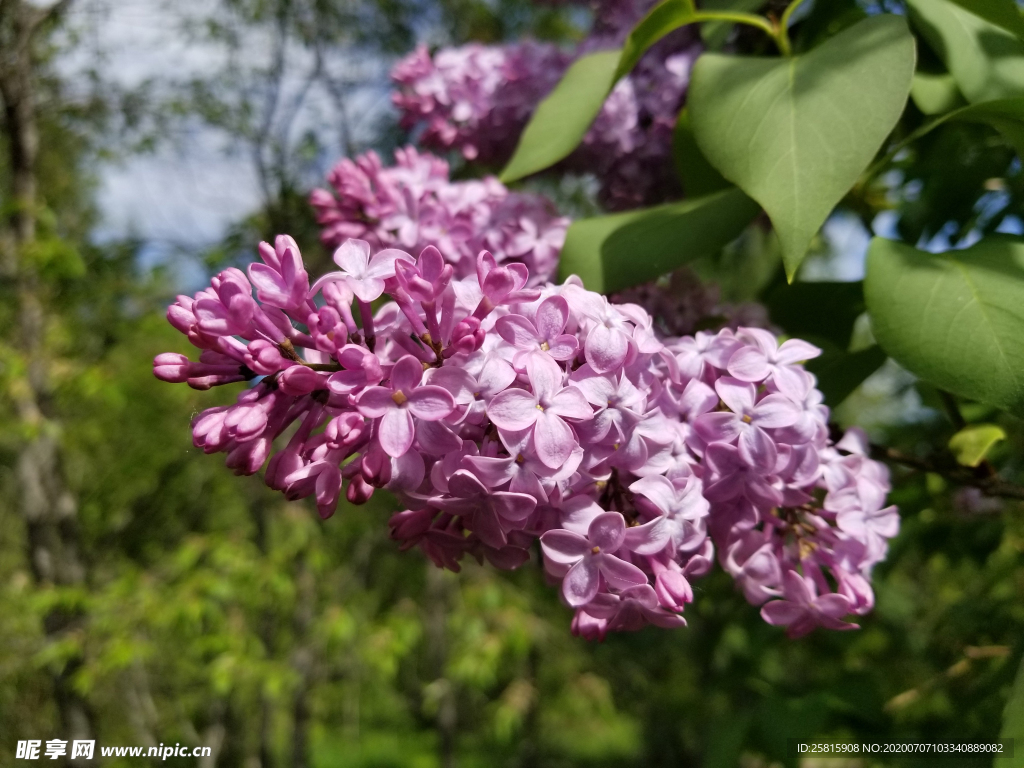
[
  {"x": 796, "y": 133},
  {"x": 935, "y": 94},
  {"x": 987, "y": 61},
  {"x": 699, "y": 177},
  {"x": 1013, "y": 724},
  {"x": 840, "y": 373},
  {"x": 1005, "y": 115},
  {"x": 562, "y": 119},
  {"x": 956, "y": 319},
  {"x": 972, "y": 443},
  {"x": 826, "y": 310},
  {"x": 1002, "y": 13},
  {"x": 610, "y": 253}
]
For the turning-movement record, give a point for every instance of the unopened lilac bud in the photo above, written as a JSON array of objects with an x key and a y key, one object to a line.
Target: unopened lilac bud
[
  {"x": 247, "y": 458},
  {"x": 411, "y": 524},
  {"x": 180, "y": 314},
  {"x": 300, "y": 380},
  {"x": 171, "y": 367},
  {"x": 209, "y": 431},
  {"x": 375, "y": 466},
  {"x": 586, "y": 626},
  {"x": 359, "y": 491},
  {"x": 265, "y": 358},
  {"x": 282, "y": 464},
  {"x": 328, "y": 486},
  {"x": 345, "y": 431},
  {"x": 673, "y": 590}
]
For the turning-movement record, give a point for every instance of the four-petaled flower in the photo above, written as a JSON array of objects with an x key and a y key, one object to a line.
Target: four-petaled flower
[
  {"x": 396, "y": 405},
  {"x": 491, "y": 515},
  {"x": 766, "y": 358},
  {"x": 588, "y": 559},
  {"x": 748, "y": 420},
  {"x": 545, "y": 409},
  {"x": 363, "y": 275},
  {"x": 544, "y": 337},
  {"x": 802, "y": 609}
]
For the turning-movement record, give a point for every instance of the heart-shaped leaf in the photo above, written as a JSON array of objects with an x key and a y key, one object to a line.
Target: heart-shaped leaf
[
  {"x": 1002, "y": 13},
  {"x": 698, "y": 175},
  {"x": 796, "y": 133},
  {"x": 972, "y": 443},
  {"x": 955, "y": 320},
  {"x": 936, "y": 94},
  {"x": 986, "y": 60},
  {"x": 610, "y": 253},
  {"x": 562, "y": 119}
]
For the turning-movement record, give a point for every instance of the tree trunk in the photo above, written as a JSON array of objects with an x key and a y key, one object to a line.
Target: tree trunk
[{"x": 45, "y": 503}]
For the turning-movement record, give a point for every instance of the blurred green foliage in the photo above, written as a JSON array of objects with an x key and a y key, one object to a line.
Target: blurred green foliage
[{"x": 216, "y": 613}]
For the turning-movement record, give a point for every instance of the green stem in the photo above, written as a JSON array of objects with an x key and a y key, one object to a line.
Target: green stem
[
  {"x": 750, "y": 19},
  {"x": 788, "y": 14}
]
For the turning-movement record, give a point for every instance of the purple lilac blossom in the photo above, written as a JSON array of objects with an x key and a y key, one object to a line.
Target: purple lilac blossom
[
  {"x": 501, "y": 412},
  {"x": 477, "y": 100},
  {"x": 413, "y": 204}
]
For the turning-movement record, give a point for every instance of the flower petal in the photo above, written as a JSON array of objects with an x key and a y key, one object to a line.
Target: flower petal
[
  {"x": 796, "y": 351},
  {"x": 564, "y": 547},
  {"x": 780, "y": 613},
  {"x": 581, "y": 582},
  {"x": 552, "y": 315},
  {"x": 606, "y": 348},
  {"x": 620, "y": 574},
  {"x": 513, "y": 506},
  {"x": 517, "y": 331},
  {"x": 396, "y": 432},
  {"x": 553, "y": 439},
  {"x": 607, "y": 531},
  {"x": 649, "y": 538},
  {"x": 570, "y": 404},
  {"x": 353, "y": 256},
  {"x": 513, "y": 409},
  {"x": 406, "y": 374},
  {"x": 374, "y": 402},
  {"x": 738, "y": 395},
  {"x": 466, "y": 485},
  {"x": 748, "y": 364},
  {"x": 430, "y": 403}
]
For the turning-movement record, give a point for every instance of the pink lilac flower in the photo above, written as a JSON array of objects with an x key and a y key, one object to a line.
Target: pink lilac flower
[
  {"x": 477, "y": 99},
  {"x": 413, "y": 204},
  {"x": 500, "y": 410}
]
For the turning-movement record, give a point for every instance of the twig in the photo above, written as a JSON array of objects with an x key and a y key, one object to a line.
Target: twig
[{"x": 981, "y": 479}]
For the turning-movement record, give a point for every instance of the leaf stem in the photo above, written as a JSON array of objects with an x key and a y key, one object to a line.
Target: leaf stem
[
  {"x": 780, "y": 29},
  {"x": 788, "y": 14},
  {"x": 750, "y": 19}
]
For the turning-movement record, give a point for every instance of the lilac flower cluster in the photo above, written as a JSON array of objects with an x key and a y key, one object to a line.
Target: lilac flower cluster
[
  {"x": 477, "y": 99},
  {"x": 412, "y": 205},
  {"x": 501, "y": 413}
]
